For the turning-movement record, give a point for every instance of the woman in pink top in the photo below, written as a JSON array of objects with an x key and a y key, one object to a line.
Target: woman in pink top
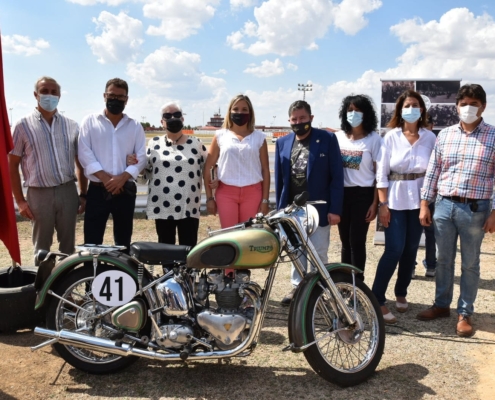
[{"x": 243, "y": 174}]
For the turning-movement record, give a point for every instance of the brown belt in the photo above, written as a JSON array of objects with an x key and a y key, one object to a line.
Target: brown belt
[
  {"x": 459, "y": 199},
  {"x": 394, "y": 176}
]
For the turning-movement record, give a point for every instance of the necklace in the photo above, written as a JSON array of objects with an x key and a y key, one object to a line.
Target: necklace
[{"x": 175, "y": 142}]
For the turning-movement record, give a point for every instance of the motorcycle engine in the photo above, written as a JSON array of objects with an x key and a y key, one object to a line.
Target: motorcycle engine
[{"x": 229, "y": 323}]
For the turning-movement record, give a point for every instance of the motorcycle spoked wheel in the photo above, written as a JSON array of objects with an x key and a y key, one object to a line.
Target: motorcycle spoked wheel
[
  {"x": 76, "y": 287},
  {"x": 345, "y": 358}
]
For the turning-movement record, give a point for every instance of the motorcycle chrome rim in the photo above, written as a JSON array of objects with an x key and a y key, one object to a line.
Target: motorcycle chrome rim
[
  {"x": 346, "y": 351},
  {"x": 75, "y": 320}
]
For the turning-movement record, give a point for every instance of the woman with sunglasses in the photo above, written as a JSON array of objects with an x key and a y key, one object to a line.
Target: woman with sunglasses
[
  {"x": 243, "y": 172},
  {"x": 174, "y": 173},
  {"x": 401, "y": 168}
]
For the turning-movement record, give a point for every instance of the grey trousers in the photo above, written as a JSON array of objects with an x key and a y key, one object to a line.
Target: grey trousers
[{"x": 54, "y": 208}]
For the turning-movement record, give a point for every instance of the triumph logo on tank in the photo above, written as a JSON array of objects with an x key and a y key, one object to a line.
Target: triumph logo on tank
[{"x": 261, "y": 249}]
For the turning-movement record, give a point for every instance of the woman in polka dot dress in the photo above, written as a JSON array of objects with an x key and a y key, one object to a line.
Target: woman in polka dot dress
[
  {"x": 243, "y": 170},
  {"x": 174, "y": 173}
]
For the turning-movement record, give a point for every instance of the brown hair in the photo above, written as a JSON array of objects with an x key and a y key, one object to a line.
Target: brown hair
[
  {"x": 397, "y": 120},
  {"x": 227, "y": 123},
  {"x": 117, "y": 82}
]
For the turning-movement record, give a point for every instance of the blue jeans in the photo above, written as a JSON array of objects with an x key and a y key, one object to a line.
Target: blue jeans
[
  {"x": 401, "y": 246},
  {"x": 430, "y": 243},
  {"x": 453, "y": 220}
]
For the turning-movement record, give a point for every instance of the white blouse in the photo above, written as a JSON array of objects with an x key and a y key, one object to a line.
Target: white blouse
[
  {"x": 239, "y": 162},
  {"x": 399, "y": 156}
]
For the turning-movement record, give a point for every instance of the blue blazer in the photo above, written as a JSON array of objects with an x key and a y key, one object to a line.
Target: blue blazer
[{"x": 325, "y": 174}]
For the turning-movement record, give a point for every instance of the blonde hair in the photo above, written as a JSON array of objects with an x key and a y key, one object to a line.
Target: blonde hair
[{"x": 227, "y": 123}]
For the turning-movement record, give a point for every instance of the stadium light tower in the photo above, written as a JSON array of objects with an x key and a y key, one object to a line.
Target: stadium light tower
[
  {"x": 11, "y": 122},
  {"x": 304, "y": 88}
]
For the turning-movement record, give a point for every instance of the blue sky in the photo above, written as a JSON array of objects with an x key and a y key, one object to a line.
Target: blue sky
[{"x": 200, "y": 53}]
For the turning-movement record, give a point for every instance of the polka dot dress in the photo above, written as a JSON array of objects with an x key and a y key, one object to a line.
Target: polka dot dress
[{"x": 174, "y": 176}]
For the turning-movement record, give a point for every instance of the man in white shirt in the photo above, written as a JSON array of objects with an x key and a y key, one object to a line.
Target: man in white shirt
[{"x": 105, "y": 139}]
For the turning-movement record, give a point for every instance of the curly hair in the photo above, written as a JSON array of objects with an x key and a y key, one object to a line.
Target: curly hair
[{"x": 366, "y": 106}]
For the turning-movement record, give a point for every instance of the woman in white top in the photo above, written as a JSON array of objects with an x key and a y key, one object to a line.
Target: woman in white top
[
  {"x": 241, "y": 154},
  {"x": 359, "y": 146},
  {"x": 401, "y": 168}
]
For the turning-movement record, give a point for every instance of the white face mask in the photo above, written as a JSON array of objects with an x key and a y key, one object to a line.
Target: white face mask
[{"x": 468, "y": 114}]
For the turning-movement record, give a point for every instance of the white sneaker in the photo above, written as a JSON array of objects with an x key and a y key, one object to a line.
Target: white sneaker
[{"x": 430, "y": 272}]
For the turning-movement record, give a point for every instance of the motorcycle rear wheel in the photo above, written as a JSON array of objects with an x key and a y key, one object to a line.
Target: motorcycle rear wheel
[
  {"x": 76, "y": 287},
  {"x": 348, "y": 357}
]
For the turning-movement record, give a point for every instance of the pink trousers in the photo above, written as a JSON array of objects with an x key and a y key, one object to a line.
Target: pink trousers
[{"x": 237, "y": 204}]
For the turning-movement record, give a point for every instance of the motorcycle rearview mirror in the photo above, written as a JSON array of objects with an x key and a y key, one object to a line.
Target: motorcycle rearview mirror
[{"x": 301, "y": 199}]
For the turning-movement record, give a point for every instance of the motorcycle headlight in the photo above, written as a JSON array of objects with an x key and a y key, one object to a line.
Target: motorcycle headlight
[{"x": 309, "y": 218}]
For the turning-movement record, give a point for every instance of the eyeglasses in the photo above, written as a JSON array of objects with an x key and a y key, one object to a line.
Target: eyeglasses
[
  {"x": 176, "y": 114},
  {"x": 111, "y": 96}
]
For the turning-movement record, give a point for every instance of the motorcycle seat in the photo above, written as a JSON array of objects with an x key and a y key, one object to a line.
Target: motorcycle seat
[{"x": 159, "y": 253}]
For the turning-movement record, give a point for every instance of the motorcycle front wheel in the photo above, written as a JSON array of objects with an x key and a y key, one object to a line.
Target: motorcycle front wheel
[
  {"x": 344, "y": 356},
  {"x": 76, "y": 287}
]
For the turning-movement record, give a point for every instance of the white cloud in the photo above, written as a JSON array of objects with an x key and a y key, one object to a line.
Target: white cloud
[
  {"x": 220, "y": 72},
  {"x": 179, "y": 19},
  {"x": 120, "y": 40},
  {"x": 286, "y": 27},
  {"x": 93, "y": 2},
  {"x": 172, "y": 72},
  {"x": 236, "y": 4},
  {"x": 266, "y": 69},
  {"x": 437, "y": 49},
  {"x": 23, "y": 45},
  {"x": 292, "y": 67}
]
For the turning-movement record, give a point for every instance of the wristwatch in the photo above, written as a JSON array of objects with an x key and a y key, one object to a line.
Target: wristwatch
[
  {"x": 265, "y": 201},
  {"x": 209, "y": 199},
  {"x": 383, "y": 203}
]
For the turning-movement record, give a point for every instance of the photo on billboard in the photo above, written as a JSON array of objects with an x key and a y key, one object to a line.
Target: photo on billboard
[
  {"x": 439, "y": 91},
  {"x": 391, "y": 90},
  {"x": 443, "y": 115},
  {"x": 387, "y": 110}
]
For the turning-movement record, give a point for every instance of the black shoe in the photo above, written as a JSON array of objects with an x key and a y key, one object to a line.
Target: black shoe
[{"x": 288, "y": 298}]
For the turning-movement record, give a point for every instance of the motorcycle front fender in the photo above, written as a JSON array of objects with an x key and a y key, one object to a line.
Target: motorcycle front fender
[
  {"x": 120, "y": 260},
  {"x": 298, "y": 306}
]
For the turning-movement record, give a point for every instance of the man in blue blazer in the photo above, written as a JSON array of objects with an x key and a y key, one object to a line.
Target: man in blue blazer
[{"x": 308, "y": 159}]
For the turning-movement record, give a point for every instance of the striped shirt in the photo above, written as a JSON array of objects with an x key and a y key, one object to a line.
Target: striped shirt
[
  {"x": 47, "y": 152},
  {"x": 462, "y": 164}
]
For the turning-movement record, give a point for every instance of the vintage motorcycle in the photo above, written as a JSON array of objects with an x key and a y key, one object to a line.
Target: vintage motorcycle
[{"x": 105, "y": 308}]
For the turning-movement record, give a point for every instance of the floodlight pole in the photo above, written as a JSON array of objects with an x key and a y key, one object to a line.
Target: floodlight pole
[{"x": 304, "y": 88}]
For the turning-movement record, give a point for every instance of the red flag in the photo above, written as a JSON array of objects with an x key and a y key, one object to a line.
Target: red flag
[{"x": 8, "y": 225}]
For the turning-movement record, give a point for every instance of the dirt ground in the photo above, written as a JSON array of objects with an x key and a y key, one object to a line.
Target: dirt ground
[{"x": 422, "y": 360}]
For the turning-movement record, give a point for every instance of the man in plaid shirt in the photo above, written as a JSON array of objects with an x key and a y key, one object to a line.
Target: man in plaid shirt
[{"x": 461, "y": 175}]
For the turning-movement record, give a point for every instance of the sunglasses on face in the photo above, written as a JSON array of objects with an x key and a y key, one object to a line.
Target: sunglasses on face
[{"x": 176, "y": 114}]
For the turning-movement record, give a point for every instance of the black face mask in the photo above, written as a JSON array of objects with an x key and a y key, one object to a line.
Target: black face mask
[
  {"x": 115, "y": 106},
  {"x": 240, "y": 119},
  {"x": 302, "y": 128},
  {"x": 174, "y": 125}
]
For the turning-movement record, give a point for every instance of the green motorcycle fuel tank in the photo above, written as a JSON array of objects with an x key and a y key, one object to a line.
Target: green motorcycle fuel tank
[{"x": 247, "y": 248}]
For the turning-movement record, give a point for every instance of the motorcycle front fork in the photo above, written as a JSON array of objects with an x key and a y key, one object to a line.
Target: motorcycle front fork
[{"x": 328, "y": 286}]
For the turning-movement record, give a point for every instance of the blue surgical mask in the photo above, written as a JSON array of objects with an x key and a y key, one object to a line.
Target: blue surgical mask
[
  {"x": 48, "y": 102},
  {"x": 355, "y": 118},
  {"x": 411, "y": 114}
]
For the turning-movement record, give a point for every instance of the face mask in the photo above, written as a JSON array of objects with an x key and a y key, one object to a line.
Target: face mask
[
  {"x": 115, "y": 106},
  {"x": 355, "y": 118},
  {"x": 48, "y": 102},
  {"x": 302, "y": 128},
  {"x": 411, "y": 114},
  {"x": 240, "y": 119},
  {"x": 467, "y": 114},
  {"x": 174, "y": 125}
]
